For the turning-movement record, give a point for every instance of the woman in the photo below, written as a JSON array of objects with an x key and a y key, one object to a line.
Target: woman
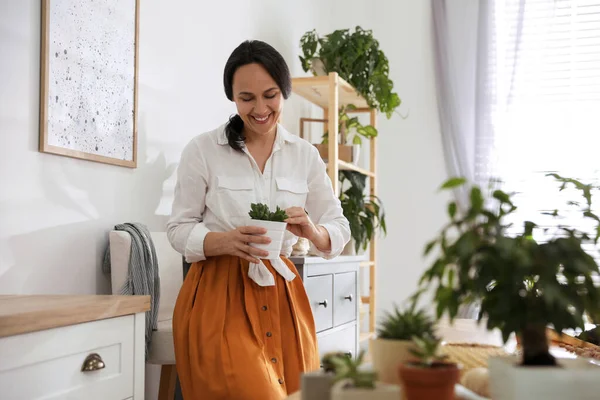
[{"x": 240, "y": 335}]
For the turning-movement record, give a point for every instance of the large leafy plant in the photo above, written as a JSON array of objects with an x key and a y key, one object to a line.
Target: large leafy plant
[
  {"x": 351, "y": 126},
  {"x": 261, "y": 212},
  {"x": 357, "y": 58},
  {"x": 524, "y": 285},
  {"x": 364, "y": 213},
  {"x": 405, "y": 324}
]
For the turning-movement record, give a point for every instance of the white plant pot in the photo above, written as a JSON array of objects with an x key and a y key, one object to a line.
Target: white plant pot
[
  {"x": 355, "y": 153},
  {"x": 318, "y": 67},
  {"x": 275, "y": 231},
  {"x": 574, "y": 379},
  {"x": 316, "y": 385},
  {"x": 387, "y": 355},
  {"x": 381, "y": 391}
]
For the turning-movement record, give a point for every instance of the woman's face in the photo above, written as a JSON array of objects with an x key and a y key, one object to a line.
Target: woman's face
[{"x": 257, "y": 98}]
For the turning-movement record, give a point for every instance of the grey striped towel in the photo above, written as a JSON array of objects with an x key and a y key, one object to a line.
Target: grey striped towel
[{"x": 142, "y": 278}]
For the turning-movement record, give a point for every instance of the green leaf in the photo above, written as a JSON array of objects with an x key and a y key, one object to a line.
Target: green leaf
[
  {"x": 356, "y": 140},
  {"x": 453, "y": 183},
  {"x": 430, "y": 246},
  {"x": 452, "y": 209}
]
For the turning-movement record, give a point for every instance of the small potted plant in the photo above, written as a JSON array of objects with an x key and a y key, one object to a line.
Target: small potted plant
[
  {"x": 316, "y": 385},
  {"x": 428, "y": 377},
  {"x": 354, "y": 383},
  {"x": 364, "y": 213},
  {"x": 394, "y": 341},
  {"x": 273, "y": 221},
  {"x": 524, "y": 285}
]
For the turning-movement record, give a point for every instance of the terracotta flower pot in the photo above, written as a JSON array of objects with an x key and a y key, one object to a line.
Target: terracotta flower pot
[{"x": 436, "y": 382}]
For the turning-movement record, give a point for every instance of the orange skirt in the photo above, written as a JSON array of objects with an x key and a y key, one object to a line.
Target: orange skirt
[{"x": 236, "y": 340}]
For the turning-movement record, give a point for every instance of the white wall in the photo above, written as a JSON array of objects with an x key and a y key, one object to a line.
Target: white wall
[{"x": 410, "y": 158}]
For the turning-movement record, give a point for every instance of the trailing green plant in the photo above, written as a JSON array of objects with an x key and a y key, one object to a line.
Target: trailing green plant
[
  {"x": 364, "y": 213},
  {"x": 347, "y": 368},
  {"x": 261, "y": 212},
  {"x": 357, "y": 58},
  {"x": 405, "y": 324},
  {"x": 524, "y": 285},
  {"x": 351, "y": 125},
  {"x": 427, "y": 350}
]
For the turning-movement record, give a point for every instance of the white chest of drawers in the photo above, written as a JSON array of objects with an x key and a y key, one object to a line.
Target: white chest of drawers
[
  {"x": 332, "y": 288},
  {"x": 72, "y": 347}
]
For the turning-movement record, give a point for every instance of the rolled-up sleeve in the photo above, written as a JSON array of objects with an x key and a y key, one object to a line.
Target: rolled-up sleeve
[
  {"x": 324, "y": 208},
  {"x": 185, "y": 228}
]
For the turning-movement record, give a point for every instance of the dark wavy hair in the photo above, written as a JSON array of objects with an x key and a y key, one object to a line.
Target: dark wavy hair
[{"x": 253, "y": 52}]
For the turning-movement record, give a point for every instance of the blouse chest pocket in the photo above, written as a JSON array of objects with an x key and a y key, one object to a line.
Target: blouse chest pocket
[
  {"x": 234, "y": 195},
  {"x": 291, "y": 192}
]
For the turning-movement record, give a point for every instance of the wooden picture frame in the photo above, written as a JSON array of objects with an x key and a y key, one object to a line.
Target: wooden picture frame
[{"x": 88, "y": 86}]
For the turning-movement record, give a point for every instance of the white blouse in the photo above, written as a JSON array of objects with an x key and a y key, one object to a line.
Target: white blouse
[{"x": 216, "y": 185}]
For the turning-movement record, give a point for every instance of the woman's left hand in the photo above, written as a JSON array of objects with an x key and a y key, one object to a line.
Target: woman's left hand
[{"x": 300, "y": 224}]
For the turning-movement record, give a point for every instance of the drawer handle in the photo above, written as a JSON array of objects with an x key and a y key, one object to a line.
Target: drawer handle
[
  {"x": 349, "y": 354},
  {"x": 349, "y": 297},
  {"x": 323, "y": 303},
  {"x": 93, "y": 362}
]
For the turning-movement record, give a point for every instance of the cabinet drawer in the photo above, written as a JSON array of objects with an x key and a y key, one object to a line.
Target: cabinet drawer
[
  {"x": 344, "y": 298},
  {"x": 320, "y": 294},
  {"x": 343, "y": 340},
  {"x": 47, "y": 364}
]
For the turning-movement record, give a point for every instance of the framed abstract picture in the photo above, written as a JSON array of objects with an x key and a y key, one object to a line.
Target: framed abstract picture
[{"x": 88, "y": 88}]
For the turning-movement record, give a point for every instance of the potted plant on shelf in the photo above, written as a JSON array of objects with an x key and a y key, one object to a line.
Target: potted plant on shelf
[
  {"x": 524, "y": 286},
  {"x": 428, "y": 377},
  {"x": 357, "y": 58},
  {"x": 394, "y": 340},
  {"x": 273, "y": 222},
  {"x": 365, "y": 213},
  {"x": 354, "y": 383}
]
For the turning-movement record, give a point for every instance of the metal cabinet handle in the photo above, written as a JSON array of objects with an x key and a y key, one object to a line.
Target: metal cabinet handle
[
  {"x": 323, "y": 303},
  {"x": 93, "y": 362},
  {"x": 349, "y": 297},
  {"x": 349, "y": 354}
]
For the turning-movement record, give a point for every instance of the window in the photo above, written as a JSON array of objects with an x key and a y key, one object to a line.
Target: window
[{"x": 543, "y": 79}]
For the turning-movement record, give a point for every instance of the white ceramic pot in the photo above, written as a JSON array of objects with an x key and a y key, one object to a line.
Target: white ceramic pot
[
  {"x": 318, "y": 67},
  {"x": 301, "y": 247},
  {"x": 355, "y": 153},
  {"x": 275, "y": 231},
  {"x": 382, "y": 391},
  {"x": 574, "y": 379},
  {"x": 387, "y": 355}
]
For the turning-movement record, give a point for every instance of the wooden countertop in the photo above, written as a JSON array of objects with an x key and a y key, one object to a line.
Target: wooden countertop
[{"x": 29, "y": 313}]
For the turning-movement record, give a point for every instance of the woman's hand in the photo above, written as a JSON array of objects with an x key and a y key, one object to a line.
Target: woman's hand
[
  {"x": 300, "y": 224},
  {"x": 236, "y": 243}
]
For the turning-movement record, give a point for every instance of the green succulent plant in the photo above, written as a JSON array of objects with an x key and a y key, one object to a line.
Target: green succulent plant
[
  {"x": 327, "y": 360},
  {"x": 347, "y": 368},
  {"x": 427, "y": 350},
  {"x": 405, "y": 325},
  {"x": 261, "y": 212}
]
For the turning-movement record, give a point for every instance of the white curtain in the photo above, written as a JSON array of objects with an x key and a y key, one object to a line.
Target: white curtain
[{"x": 521, "y": 97}]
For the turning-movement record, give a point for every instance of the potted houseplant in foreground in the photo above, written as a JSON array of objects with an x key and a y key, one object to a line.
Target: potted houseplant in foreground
[
  {"x": 524, "y": 286},
  {"x": 428, "y": 377},
  {"x": 364, "y": 213},
  {"x": 394, "y": 340},
  {"x": 273, "y": 222},
  {"x": 354, "y": 383},
  {"x": 316, "y": 385}
]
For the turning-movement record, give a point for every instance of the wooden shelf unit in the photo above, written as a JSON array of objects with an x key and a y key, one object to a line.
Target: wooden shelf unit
[{"x": 331, "y": 93}]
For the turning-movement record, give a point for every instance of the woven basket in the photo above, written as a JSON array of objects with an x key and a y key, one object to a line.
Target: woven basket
[{"x": 471, "y": 355}]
